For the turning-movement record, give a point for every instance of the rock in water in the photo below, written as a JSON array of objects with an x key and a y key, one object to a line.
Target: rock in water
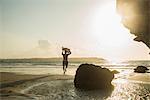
[
  {"x": 141, "y": 69},
  {"x": 89, "y": 77},
  {"x": 115, "y": 71}
]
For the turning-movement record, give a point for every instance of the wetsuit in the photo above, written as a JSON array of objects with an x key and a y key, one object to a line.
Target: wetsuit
[{"x": 65, "y": 59}]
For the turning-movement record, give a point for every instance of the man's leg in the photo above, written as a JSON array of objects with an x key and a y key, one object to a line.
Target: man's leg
[
  {"x": 63, "y": 65},
  {"x": 66, "y": 64}
]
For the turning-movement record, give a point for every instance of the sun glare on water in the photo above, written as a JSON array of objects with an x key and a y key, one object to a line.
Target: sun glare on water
[{"x": 108, "y": 30}]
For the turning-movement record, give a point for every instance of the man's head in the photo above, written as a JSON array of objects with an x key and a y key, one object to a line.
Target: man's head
[{"x": 65, "y": 51}]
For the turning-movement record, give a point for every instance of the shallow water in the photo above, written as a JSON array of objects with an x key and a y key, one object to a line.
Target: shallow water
[
  {"x": 64, "y": 90},
  {"x": 56, "y": 68}
]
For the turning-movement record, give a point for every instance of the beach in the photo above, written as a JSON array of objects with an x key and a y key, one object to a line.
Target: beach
[
  {"x": 14, "y": 86},
  {"x": 60, "y": 87},
  {"x": 47, "y": 82},
  {"x": 75, "y": 50}
]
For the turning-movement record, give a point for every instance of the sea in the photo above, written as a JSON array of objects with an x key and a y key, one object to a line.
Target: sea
[{"x": 128, "y": 85}]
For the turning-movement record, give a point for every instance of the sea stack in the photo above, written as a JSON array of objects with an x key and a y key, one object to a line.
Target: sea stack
[{"x": 91, "y": 77}]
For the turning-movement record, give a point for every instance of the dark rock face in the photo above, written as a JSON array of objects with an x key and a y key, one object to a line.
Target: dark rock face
[
  {"x": 136, "y": 17},
  {"x": 141, "y": 69},
  {"x": 90, "y": 77},
  {"x": 115, "y": 71}
]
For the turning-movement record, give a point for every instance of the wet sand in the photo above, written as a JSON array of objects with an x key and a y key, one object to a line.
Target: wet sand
[
  {"x": 12, "y": 85},
  {"x": 15, "y": 86},
  {"x": 143, "y": 77}
]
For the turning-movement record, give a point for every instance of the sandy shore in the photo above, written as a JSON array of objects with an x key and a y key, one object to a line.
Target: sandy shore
[
  {"x": 15, "y": 86},
  {"x": 11, "y": 84}
]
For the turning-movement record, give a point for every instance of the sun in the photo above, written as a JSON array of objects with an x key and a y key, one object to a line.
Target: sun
[
  {"x": 108, "y": 31},
  {"x": 107, "y": 27}
]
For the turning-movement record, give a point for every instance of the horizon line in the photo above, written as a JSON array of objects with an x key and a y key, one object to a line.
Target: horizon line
[{"x": 75, "y": 58}]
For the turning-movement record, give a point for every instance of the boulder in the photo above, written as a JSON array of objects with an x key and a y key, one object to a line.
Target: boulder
[
  {"x": 141, "y": 69},
  {"x": 90, "y": 77}
]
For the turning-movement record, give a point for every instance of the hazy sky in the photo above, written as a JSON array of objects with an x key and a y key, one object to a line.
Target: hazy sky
[{"x": 39, "y": 28}]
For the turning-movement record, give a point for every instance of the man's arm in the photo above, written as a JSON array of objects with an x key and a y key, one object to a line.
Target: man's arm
[
  {"x": 69, "y": 52},
  {"x": 62, "y": 53}
]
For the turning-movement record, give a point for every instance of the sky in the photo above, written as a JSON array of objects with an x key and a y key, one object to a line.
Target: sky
[{"x": 90, "y": 28}]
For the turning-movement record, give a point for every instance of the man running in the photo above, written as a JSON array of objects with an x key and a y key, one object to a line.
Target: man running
[{"x": 65, "y": 53}]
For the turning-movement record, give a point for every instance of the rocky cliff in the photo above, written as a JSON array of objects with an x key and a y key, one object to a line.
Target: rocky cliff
[{"x": 136, "y": 17}]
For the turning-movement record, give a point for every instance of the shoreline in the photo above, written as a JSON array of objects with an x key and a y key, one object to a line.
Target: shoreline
[
  {"x": 13, "y": 81},
  {"x": 9, "y": 79},
  {"x": 33, "y": 87},
  {"x": 12, "y": 84}
]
